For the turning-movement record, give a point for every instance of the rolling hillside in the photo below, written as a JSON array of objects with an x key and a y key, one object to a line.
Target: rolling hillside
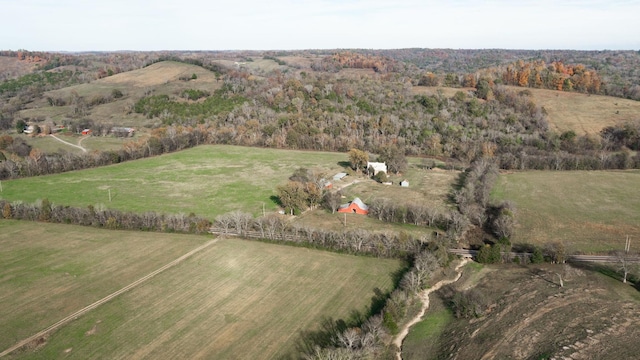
[{"x": 583, "y": 113}]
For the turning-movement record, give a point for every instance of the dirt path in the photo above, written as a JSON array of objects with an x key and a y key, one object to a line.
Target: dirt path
[
  {"x": 424, "y": 296},
  {"x": 79, "y": 146},
  {"x": 75, "y": 315}
]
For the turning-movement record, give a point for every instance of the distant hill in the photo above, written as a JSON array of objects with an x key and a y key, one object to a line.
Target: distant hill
[
  {"x": 12, "y": 67},
  {"x": 166, "y": 77}
]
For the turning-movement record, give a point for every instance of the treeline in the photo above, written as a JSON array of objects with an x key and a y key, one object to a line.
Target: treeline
[
  {"x": 277, "y": 228},
  {"x": 472, "y": 198},
  {"x": 103, "y": 218}
]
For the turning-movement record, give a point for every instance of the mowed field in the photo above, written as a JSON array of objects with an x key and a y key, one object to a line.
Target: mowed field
[
  {"x": 590, "y": 211},
  {"x": 49, "y": 271},
  {"x": 235, "y": 299},
  {"x": 207, "y": 180}
]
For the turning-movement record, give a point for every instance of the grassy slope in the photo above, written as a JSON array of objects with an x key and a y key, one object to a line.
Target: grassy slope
[
  {"x": 592, "y": 317},
  {"x": 237, "y": 299},
  {"x": 158, "y": 78},
  {"x": 48, "y": 271},
  {"x": 587, "y": 211},
  {"x": 583, "y": 113}
]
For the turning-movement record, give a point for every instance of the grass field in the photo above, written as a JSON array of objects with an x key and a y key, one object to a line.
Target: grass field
[
  {"x": 587, "y": 211},
  {"x": 234, "y": 300},
  {"x": 207, "y": 180},
  {"x": 423, "y": 339},
  {"x": 49, "y": 271},
  {"x": 583, "y": 113},
  {"x": 213, "y": 180}
]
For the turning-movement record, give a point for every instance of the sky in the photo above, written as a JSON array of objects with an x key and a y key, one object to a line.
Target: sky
[{"x": 98, "y": 25}]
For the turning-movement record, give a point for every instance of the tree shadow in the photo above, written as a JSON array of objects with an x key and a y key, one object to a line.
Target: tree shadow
[
  {"x": 275, "y": 200},
  {"x": 542, "y": 274},
  {"x": 344, "y": 164}
]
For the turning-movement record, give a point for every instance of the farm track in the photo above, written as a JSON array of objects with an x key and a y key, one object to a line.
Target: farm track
[
  {"x": 424, "y": 296},
  {"x": 79, "y": 146},
  {"x": 107, "y": 298}
]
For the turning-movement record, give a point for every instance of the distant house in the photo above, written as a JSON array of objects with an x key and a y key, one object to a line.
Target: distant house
[
  {"x": 354, "y": 207},
  {"x": 339, "y": 176},
  {"x": 377, "y": 167},
  {"x": 30, "y": 129},
  {"x": 86, "y": 132},
  {"x": 404, "y": 183},
  {"x": 123, "y": 131}
]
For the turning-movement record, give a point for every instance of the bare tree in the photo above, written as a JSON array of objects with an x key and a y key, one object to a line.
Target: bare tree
[{"x": 626, "y": 263}]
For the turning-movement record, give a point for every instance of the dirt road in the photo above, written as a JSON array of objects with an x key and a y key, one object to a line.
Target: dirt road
[
  {"x": 70, "y": 144},
  {"x": 424, "y": 296}
]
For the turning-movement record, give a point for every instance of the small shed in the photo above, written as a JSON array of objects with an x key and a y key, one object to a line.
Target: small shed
[
  {"x": 86, "y": 131},
  {"x": 404, "y": 183},
  {"x": 354, "y": 207},
  {"x": 339, "y": 176}
]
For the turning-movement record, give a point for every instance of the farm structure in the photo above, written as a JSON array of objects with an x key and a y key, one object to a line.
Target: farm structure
[
  {"x": 404, "y": 183},
  {"x": 377, "y": 167},
  {"x": 339, "y": 176},
  {"x": 356, "y": 207}
]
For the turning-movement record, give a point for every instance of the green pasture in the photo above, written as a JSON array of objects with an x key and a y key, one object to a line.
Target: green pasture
[
  {"x": 590, "y": 211},
  {"x": 206, "y": 180}
]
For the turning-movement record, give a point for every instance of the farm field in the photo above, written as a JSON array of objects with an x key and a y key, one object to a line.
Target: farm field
[
  {"x": 589, "y": 211},
  {"x": 48, "y": 271},
  {"x": 211, "y": 180},
  {"x": 206, "y": 180},
  {"x": 236, "y": 299}
]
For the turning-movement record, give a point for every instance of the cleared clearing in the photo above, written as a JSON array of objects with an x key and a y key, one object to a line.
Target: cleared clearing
[
  {"x": 48, "y": 271},
  {"x": 591, "y": 211},
  {"x": 234, "y": 300},
  {"x": 583, "y": 113}
]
